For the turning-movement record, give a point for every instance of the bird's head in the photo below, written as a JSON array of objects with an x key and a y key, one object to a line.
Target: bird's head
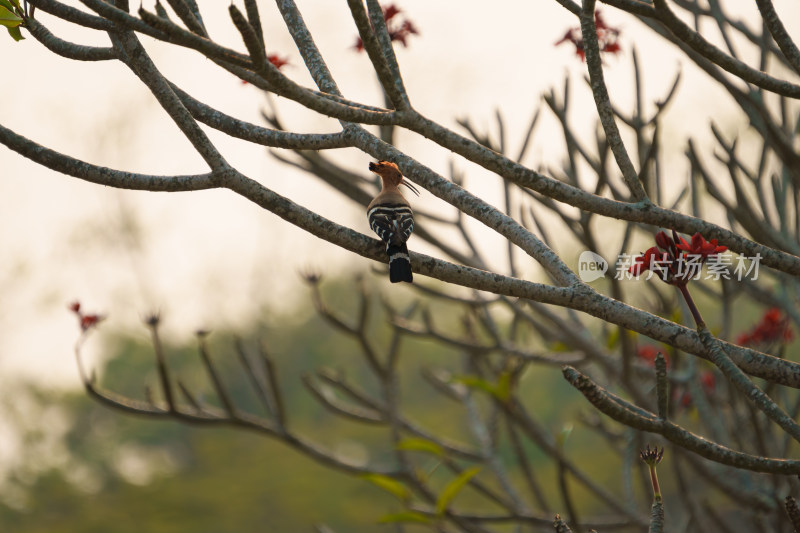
[{"x": 391, "y": 173}]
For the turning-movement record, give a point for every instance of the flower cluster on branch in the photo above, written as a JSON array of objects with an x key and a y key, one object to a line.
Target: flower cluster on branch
[{"x": 607, "y": 38}]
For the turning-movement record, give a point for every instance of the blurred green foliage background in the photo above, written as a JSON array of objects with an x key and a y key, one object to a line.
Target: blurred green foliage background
[
  {"x": 126, "y": 473},
  {"x": 110, "y": 471}
]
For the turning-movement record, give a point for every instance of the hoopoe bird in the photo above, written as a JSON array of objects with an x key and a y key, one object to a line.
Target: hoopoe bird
[{"x": 391, "y": 218}]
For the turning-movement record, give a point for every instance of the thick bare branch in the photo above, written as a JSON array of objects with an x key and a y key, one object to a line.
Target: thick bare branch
[{"x": 601, "y": 98}]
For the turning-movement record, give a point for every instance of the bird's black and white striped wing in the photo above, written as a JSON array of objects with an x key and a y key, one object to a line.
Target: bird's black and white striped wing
[{"x": 392, "y": 222}]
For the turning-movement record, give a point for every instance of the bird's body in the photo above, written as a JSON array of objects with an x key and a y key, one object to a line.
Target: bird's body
[{"x": 390, "y": 216}]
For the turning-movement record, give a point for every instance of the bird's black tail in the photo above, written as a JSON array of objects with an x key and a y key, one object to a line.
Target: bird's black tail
[{"x": 399, "y": 263}]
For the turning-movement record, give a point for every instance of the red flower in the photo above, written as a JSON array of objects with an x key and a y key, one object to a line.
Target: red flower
[
  {"x": 665, "y": 242},
  {"x": 606, "y": 38},
  {"x": 390, "y": 11},
  {"x": 600, "y": 22},
  {"x": 773, "y": 328},
  {"x": 652, "y": 259},
  {"x": 399, "y": 30},
  {"x": 686, "y": 399},
  {"x": 680, "y": 261},
  {"x": 277, "y": 60},
  {"x": 88, "y": 321},
  {"x": 699, "y": 246},
  {"x": 85, "y": 321},
  {"x": 708, "y": 382},
  {"x": 573, "y": 35},
  {"x": 648, "y": 354},
  {"x": 401, "y": 34}
]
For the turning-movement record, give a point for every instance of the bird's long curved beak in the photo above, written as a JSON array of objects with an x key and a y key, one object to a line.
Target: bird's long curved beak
[{"x": 410, "y": 186}]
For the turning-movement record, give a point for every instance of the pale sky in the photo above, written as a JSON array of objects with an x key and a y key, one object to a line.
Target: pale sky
[{"x": 211, "y": 259}]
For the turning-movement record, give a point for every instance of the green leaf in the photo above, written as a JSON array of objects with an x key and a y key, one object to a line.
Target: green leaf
[
  {"x": 563, "y": 435},
  {"x": 15, "y": 33},
  {"x": 420, "y": 445},
  {"x": 454, "y": 487},
  {"x": 11, "y": 5},
  {"x": 392, "y": 486},
  {"x": 8, "y": 18},
  {"x": 613, "y": 339},
  {"x": 560, "y": 347},
  {"x": 474, "y": 382},
  {"x": 405, "y": 516},
  {"x": 503, "y": 389}
]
